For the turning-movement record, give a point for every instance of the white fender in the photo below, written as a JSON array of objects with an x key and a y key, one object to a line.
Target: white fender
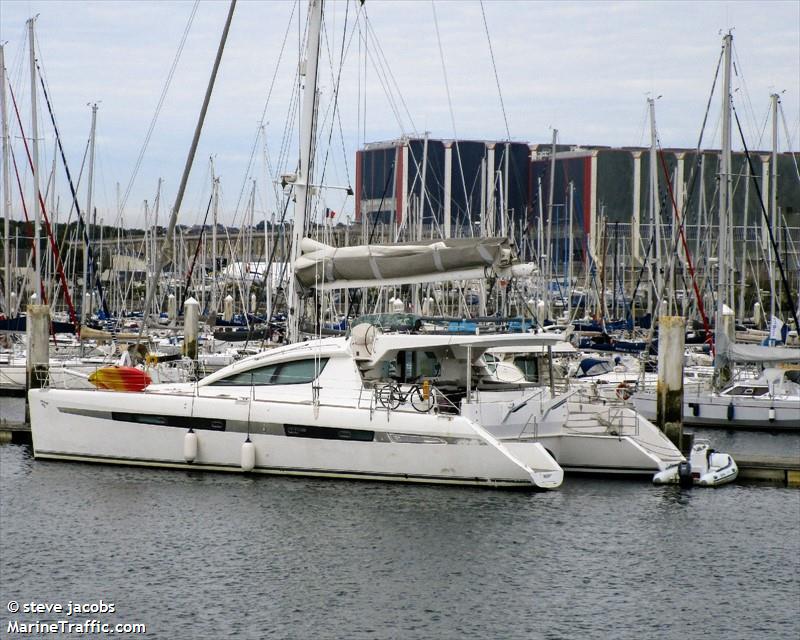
[
  {"x": 248, "y": 455},
  {"x": 190, "y": 446}
]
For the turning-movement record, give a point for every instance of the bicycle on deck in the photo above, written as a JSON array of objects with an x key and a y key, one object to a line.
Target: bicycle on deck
[{"x": 420, "y": 396}]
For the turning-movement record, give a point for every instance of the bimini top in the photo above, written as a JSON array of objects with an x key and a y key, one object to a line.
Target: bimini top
[{"x": 589, "y": 367}]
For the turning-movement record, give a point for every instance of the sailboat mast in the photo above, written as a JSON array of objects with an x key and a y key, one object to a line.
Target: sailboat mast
[
  {"x": 549, "y": 264},
  {"x": 84, "y": 310},
  {"x": 773, "y": 203},
  {"x": 6, "y": 186},
  {"x": 37, "y": 207},
  {"x": 214, "y": 219},
  {"x": 655, "y": 214},
  {"x": 721, "y": 339},
  {"x": 304, "y": 169},
  {"x": 147, "y": 256},
  {"x": 570, "y": 250}
]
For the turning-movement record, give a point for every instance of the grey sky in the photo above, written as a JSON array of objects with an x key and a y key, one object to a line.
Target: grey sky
[{"x": 584, "y": 68}]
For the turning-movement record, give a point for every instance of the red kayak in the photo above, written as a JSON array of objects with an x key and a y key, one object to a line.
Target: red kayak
[{"x": 120, "y": 378}]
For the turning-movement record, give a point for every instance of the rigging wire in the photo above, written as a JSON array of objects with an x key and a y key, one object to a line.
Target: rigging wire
[
  {"x": 772, "y": 241},
  {"x": 388, "y": 70},
  {"x": 737, "y": 68},
  {"x": 159, "y": 105},
  {"x": 467, "y": 200},
  {"x": 94, "y": 276},
  {"x": 382, "y": 75},
  {"x": 788, "y": 139},
  {"x": 261, "y": 121},
  {"x": 494, "y": 68}
]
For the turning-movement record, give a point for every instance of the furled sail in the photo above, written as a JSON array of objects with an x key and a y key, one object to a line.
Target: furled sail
[{"x": 406, "y": 262}]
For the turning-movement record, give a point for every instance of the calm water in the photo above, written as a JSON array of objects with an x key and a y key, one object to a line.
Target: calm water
[{"x": 196, "y": 555}]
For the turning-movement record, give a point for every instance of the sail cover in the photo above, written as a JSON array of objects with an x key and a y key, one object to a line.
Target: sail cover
[
  {"x": 405, "y": 262},
  {"x": 760, "y": 354}
]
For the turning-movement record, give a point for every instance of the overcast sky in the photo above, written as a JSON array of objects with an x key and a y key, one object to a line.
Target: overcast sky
[{"x": 584, "y": 68}]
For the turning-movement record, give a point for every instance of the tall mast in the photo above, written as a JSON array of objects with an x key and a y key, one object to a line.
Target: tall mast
[
  {"x": 90, "y": 178},
  {"x": 249, "y": 240},
  {"x": 548, "y": 269},
  {"x": 305, "y": 168},
  {"x": 215, "y": 187},
  {"x": 147, "y": 245},
  {"x": 569, "y": 251},
  {"x": 721, "y": 339},
  {"x": 37, "y": 208},
  {"x": 6, "y": 186},
  {"x": 773, "y": 183},
  {"x": 655, "y": 214}
]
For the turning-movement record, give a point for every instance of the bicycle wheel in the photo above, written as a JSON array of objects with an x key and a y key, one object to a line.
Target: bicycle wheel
[
  {"x": 419, "y": 402},
  {"x": 388, "y": 396}
]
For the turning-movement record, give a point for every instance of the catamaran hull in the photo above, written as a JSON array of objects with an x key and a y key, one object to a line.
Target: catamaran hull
[
  {"x": 584, "y": 437},
  {"x": 593, "y": 454},
  {"x": 286, "y": 438}
]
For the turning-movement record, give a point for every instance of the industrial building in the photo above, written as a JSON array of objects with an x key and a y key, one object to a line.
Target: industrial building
[{"x": 423, "y": 187}]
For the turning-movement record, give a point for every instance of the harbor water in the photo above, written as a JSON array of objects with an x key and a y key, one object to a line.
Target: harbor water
[{"x": 204, "y": 555}]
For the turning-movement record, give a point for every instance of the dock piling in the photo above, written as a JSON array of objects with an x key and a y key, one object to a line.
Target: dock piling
[
  {"x": 37, "y": 327},
  {"x": 191, "y": 323},
  {"x": 227, "y": 313},
  {"x": 669, "y": 390}
]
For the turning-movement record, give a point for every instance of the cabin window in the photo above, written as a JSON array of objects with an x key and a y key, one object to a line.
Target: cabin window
[
  {"x": 529, "y": 366},
  {"x": 299, "y": 371},
  {"x": 292, "y": 372},
  {"x": 411, "y": 366}
]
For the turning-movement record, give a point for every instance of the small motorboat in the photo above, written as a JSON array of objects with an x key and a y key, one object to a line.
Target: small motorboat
[{"x": 705, "y": 468}]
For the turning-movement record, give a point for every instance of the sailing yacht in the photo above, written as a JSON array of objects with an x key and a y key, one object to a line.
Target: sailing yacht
[{"x": 770, "y": 401}]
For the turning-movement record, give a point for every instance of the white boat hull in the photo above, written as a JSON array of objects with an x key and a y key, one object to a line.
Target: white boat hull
[
  {"x": 289, "y": 438},
  {"x": 584, "y": 437},
  {"x": 712, "y": 410}
]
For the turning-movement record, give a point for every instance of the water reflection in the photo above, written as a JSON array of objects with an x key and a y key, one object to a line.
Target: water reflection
[{"x": 294, "y": 557}]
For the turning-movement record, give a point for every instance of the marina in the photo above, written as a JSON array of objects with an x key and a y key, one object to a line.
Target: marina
[{"x": 435, "y": 385}]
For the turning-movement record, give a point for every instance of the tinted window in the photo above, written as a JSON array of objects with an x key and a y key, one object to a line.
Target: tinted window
[
  {"x": 299, "y": 371},
  {"x": 529, "y": 367},
  {"x": 260, "y": 376},
  {"x": 294, "y": 372}
]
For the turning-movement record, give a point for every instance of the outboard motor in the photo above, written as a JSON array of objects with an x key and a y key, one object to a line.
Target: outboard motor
[{"x": 685, "y": 479}]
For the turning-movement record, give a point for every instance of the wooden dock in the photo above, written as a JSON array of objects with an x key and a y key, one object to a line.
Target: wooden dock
[
  {"x": 16, "y": 432},
  {"x": 780, "y": 470}
]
